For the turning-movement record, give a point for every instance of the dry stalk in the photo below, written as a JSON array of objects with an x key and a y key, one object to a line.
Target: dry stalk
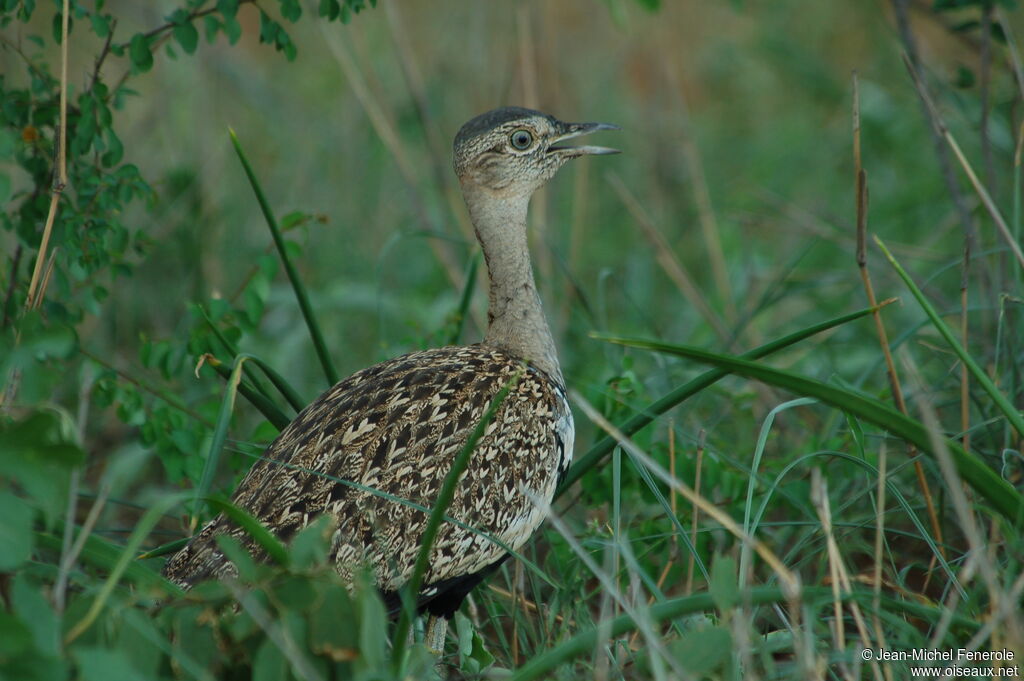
[
  {"x": 701, "y": 437},
  {"x": 389, "y": 136},
  {"x": 840, "y": 576},
  {"x": 883, "y": 337},
  {"x": 701, "y": 194},
  {"x": 667, "y": 259}
]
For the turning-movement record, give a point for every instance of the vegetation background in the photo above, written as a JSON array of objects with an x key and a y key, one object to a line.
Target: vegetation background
[{"x": 729, "y": 222}]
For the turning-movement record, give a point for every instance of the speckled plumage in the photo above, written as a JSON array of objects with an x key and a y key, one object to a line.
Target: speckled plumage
[{"x": 397, "y": 426}]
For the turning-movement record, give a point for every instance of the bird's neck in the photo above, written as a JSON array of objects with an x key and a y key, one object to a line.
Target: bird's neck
[{"x": 515, "y": 318}]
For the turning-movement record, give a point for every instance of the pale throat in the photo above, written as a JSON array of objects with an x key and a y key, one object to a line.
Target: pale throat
[{"x": 515, "y": 319}]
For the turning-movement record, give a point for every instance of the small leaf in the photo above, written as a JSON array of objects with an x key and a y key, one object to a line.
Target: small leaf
[
  {"x": 227, "y": 8},
  {"x": 100, "y": 25},
  {"x": 187, "y": 36},
  {"x": 325, "y": 636},
  {"x": 14, "y": 635},
  {"x": 212, "y": 25},
  {"x": 104, "y": 664},
  {"x": 233, "y": 30},
  {"x": 15, "y": 531},
  {"x": 270, "y": 663},
  {"x": 236, "y": 553},
  {"x": 330, "y": 9},
  {"x": 705, "y": 651},
  {"x": 138, "y": 52},
  {"x": 291, "y": 10}
]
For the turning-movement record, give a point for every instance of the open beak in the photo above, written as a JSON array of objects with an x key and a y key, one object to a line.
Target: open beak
[{"x": 570, "y": 130}]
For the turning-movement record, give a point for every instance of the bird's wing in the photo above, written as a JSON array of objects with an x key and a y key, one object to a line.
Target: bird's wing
[{"x": 397, "y": 427}]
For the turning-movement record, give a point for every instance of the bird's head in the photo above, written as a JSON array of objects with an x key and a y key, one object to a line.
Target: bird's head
[{"x": 513, "y": 151}]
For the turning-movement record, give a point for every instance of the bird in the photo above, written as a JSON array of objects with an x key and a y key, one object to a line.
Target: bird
[{"x": 397, "y": 427}]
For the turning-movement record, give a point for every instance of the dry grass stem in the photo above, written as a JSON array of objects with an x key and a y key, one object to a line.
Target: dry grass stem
[
  {"x": 667, "y": 258},
  {"x": 862, "y": 203},
  {"x": 386, "y": 130},
  {"x": 702, "y": 195},
  {"x": 691, "y": 564},
  {"x": 789, "y": 580},
  {"x": 979, "y": 188},
  {"x": 841, "y": 581}
]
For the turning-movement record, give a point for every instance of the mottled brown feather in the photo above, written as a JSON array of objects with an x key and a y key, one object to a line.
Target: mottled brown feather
[{"x": 397, "y": 427}]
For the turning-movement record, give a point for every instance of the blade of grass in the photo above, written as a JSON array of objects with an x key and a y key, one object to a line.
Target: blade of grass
[
  {"x": 124, "y": 561},
  {"x": 300, "y": 290},
  {"x": 605, "y": 445},
  {"x": 465, "y": 299},
  {"x": 584, "y": 642},
  {"x": 253, "y": 527},
  {"x": 220, "y": 433},
  {"x": 262, "y": 404},
  {"x": 283, "y": 387},
  {"x": 985, "y": 481},
  {"x": 411, "y": 589},
  {"x": 104, "y": 554},
  {"x": 762, "y": 441},
  {"x": 979, "y": 375}
]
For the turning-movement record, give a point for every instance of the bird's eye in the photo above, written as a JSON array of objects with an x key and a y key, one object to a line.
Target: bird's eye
[{"x": 521, "y": 139}]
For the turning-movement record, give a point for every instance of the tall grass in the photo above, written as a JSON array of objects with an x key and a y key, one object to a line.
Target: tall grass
[{"x": 767, "y": 482}]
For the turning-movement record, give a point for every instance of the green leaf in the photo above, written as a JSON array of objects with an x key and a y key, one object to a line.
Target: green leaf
[
  {"x": 211, "y": 25},
  {"x": 104, "y": 664},
  {"x": 227, "y": 8},
  {"x": 233, "y": 30},
  {"x": 330, "y": 9},
  {"x": 139, "y": 53},
  {"x": 373, "y": 622},
  {"x": 325, "y": 636},
  {"x": 705, "y": 651},
  {"x": 270, "y": 663},
  {"x": 100, "y": 24},
  {"x": 35, "y": 611},
  {"x": 291, "y": 10},
  {"x": 474, "y": 658},
  {"x": 15, "y": 531},
  {"x": 15, "y": 637},
  {"x": 187, "y": 36},
  {"x": 114, "y": 153},
  {"x": 239, "y": 557}
]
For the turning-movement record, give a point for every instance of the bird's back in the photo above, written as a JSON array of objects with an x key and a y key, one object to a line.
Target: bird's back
[{"x": 397, "y": 427}]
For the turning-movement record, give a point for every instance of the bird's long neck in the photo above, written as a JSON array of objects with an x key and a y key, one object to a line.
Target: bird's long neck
[{"x": 515, "y": 319}]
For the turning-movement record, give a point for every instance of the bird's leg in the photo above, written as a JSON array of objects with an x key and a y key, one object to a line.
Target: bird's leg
[{"x": 437, "y": 630}]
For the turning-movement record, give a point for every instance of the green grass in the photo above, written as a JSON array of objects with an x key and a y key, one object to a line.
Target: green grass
[{"x": 718, "y": 253}]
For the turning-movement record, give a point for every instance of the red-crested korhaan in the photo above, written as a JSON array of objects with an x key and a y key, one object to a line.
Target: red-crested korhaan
[{"x": 398, "y": 426}]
